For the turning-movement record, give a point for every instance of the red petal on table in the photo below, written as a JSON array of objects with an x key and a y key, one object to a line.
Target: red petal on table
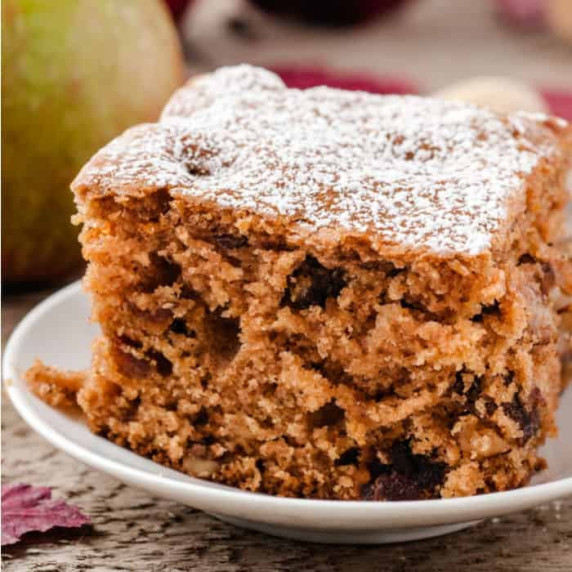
[
  {"x": 528, "y": 12},
  {"x": 560, "y": 102},
  {"x": 305, "y": 77},
  {"x": 26, "y": 508}
]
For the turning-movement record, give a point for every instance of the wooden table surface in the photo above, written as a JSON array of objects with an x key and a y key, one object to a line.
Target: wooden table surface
[{"x": 133, "y": 531}]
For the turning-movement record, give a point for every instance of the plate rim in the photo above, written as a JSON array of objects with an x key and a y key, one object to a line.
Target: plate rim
[{"x": 366, "y": 513}]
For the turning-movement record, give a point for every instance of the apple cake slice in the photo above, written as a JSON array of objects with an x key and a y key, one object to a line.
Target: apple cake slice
[{"x": 327, "y": 294}]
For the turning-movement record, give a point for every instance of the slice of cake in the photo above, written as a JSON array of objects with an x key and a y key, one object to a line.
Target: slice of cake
[{"x": 325, "y": 293}]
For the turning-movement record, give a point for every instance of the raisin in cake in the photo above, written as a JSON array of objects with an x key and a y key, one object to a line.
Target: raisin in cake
[{"x": 324, "y": 293}]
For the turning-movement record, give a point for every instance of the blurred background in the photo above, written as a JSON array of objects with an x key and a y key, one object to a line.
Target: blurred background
[{"x": 75, "y": 73}]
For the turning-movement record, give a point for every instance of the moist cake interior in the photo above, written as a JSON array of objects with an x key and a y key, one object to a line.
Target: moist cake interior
[{"x": 240, "y": 348}]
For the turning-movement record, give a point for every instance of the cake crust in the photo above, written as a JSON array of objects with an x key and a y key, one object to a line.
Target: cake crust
[{"x": 327, "y": 294}]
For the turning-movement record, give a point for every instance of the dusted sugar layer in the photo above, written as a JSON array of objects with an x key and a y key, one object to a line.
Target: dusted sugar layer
[
  {"x": 417, "y": 172},
  {"x": 328, "y": 295}
]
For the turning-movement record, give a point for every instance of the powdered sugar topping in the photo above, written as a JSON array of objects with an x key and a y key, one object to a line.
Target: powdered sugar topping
[{"x": 409, "y": 170}]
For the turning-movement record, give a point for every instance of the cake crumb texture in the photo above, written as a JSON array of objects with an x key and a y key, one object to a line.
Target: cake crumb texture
[{"x": 324, "y": 294}]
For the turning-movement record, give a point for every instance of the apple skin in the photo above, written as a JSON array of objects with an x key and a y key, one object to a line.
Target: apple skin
[
  {"x": 75, "y": 73},
  {"x": 329, "y": 12},
  {"x": 559, "y": 18}
]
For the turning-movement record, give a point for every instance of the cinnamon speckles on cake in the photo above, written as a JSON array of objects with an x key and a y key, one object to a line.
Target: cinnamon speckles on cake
[{"x": 410, "y": 171}]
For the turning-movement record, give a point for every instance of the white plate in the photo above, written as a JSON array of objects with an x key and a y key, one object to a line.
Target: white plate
[{"x": 58, "y": 332}]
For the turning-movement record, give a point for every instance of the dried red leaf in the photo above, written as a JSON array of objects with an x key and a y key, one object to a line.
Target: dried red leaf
[
  {"x": 560, "y": 102},
  {"x": 303, "y": 77},
  {"x": 26, "y": 508}
]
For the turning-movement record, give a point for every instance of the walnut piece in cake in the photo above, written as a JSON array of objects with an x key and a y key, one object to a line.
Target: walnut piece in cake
[{"x": 328, "y": 294}]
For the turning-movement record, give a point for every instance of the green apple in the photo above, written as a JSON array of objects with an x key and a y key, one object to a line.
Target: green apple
[{"x": 75, "y": 73}]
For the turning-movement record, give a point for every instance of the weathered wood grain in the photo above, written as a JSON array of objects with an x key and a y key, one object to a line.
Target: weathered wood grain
[{"x": 133, "y": 531}]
